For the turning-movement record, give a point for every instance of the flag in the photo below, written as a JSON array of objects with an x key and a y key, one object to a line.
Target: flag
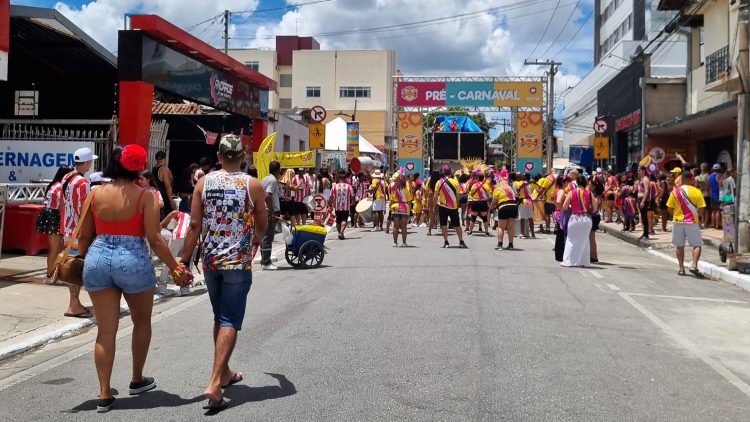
[
  {"x": 262, "y": 158},
  {"x": 209, "y": 136}
]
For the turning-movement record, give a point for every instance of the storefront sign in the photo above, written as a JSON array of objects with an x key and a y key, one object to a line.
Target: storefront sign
[
  {"x": 352, "y": 140},
  {"x": 628, "y": 121},
  {"x": 529, "y": 130},
  {"x": 470, "y": 94},
  {"x": 410, "y": 132},
  {"x": 179, "y": 74},
  {"x": 24, "y": 161}
]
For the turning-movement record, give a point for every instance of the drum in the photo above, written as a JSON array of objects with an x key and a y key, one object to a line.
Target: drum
[
  {"x": 309, "y": 202},
  {"x": 364, "y": 209}
]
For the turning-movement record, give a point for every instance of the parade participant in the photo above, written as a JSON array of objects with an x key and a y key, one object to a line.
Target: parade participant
[
  {"x": 75, "y": 187},
  {"x": 446, "y": 199},
  {"x": 270, "y": 185},
  {"x": 164, "y": 181},
  {"x": 378, "y": 191},
  {"x": 610, "y": 195},
  {"x": 429, "y": 201},
  {"x": 629, "y": 209},
  {"x": 504, "y": 199},
  {"x": 48, "y": 220},
  {"x": 174, "y": 229},
  {"x": 479, "y": 193},
  {"x": 546, "y": 193},
  {"x": 561, "y": 217},
  {"x": 288, "y": 206},
  {"x": 525, "y": 206},
  {"x": 229, "y": 207},
  {"x": 399, "y": 206},
  {"x": 123, "y": 216},
  {"x": 701, "y": 183},
  {"x": 714, "y": 185},
  {"x": 301, "y": 189},
  {"x": 360, "y": 193},
  {"x": 418, "y": 204},
  {"x": 341, "y": 199},
  {"x": 596, "y": 187},
  {"x": 577, "y": 247},
  {"x": 148, "y": 182},
  {"x": 463, "y": 197},
  {"x": 685, "y": 202},
  {"x": 644, "y": 200},
  {"x": 325, "y": 184},
  {"x": 354, "y": 181}
]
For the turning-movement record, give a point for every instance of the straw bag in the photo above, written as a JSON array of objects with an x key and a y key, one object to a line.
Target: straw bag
[{"x": 69, "y": 269}]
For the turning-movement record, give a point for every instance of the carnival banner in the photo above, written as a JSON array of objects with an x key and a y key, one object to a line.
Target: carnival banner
[
  {"x": 410, "y": 132},
  {"x": 529, "y": 134},
  {"x": 411, "y": 165},
  {"x": 302, "y": 159},
  {"x": 352, "y": 140},
  {"x": 470, "y": 94}
]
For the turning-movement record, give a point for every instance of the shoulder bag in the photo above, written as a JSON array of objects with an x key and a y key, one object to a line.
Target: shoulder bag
[{"x": 69, "y": 269}]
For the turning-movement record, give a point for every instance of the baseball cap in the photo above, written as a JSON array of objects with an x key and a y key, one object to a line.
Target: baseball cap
[
  {"x": 716, "y": 166},
  {"x": 677, "y": 170},
  {"x": 231, "y": 146},
  {"x": 83, "y": 155},
  {"x": 98, "y": 177}
]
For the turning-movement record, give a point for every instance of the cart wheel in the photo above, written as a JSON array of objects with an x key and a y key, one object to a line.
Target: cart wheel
[
  {"x": 311, "y": 254},
  {"x": 292, "y": 258},
  {"x": 723, "y": 253}
]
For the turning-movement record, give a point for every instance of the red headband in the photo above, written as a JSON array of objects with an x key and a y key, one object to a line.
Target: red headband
[{"x": 133, "y": 157}]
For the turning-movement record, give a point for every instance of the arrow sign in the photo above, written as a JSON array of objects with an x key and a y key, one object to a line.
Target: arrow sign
[
  {"x": 601, "y": 126},
  {"x": 317, "y": 113}
]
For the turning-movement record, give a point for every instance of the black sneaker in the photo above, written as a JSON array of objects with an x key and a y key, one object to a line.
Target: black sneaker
[
  {"x": 510, "y": 246},
  {"x": 446, "y": 244},
  {"x": 105, "y": 405},
  {"x": 499, "y": 246},
  {"x": 147, "y": 383},
  {"x": 462, "y": 245}
]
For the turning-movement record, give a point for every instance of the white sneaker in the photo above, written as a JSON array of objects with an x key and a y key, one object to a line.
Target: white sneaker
[
  {"x": 161, "y": 288},
  {"x": 395, "y": 245},
  {"x": 404, "y": 245},
  {"x": 47, "y": 280},
  {"x": 184, "y": 290},
  {"x": 423, "y": 225},
  {"x": 374, "y": 229},
  {"x": 269, "y": 267}
]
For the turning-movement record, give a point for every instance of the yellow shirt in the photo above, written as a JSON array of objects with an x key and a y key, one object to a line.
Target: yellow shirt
[
  {"x": 448, "y": 195},
  {"x": 549, "y": 192},
  {"x": 522, "y": 193},
  {"x": 501, "y": 196},
  {"x": 479, "y": 192},
  {"x": 395, "y": 203},
  {"x": 694, "y": 196},
  {"x": 380, "y": 191}
]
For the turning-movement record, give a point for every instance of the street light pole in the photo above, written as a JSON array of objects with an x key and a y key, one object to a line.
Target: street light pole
[{"x": 553, "y": 68}]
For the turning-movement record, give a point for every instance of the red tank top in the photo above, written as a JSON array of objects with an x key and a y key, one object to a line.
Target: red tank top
[{"x": 133, "y": 226}]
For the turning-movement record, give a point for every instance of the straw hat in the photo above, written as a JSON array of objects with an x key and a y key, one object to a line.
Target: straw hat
[{"x": 377, "y": 174}]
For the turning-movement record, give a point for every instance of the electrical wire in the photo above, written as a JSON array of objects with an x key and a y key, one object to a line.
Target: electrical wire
[
  {"x": 191, "y": 27},
  {"x": 570, "y": 16},
  {"x": 575, "y": 34},
  {"x": 549, "y": 22},
  {"x": 274, "y": 9}
]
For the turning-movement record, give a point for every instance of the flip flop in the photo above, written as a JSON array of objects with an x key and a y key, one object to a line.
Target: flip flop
[
  {"x": 84, "y": 314},
  {"x": 236, "y": 377},
  {"x": 681, "y": 273},
  {"x": 217, "y": 406},
  {"x": 695, "y": 272}
]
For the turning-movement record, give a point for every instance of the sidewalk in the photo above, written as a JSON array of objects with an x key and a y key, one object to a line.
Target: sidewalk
[
  {"x": 31, "y": 313},
  {"x": 661, "y": 245}
]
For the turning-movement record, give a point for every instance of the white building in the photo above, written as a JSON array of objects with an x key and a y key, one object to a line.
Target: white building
[{"x": 620, "y": 28}]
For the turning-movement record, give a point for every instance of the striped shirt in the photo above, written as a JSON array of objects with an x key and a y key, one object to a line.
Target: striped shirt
[
  {"x": 302, "y": 187},
  {"x": 73, "y": 196},
  {"x": 53, "y": 196},
  {"x": 341, "y": 195},
  {"x": 447, "y": 189},
  {"x": 183, "y": 224}
]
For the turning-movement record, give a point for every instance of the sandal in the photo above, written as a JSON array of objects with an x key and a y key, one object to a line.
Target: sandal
[
  {"x": 236, "y": 377},
  {"x": 696, "y": 272},
  {"x": 681, "y": 273},
  {"x": 217, "y": 406},
  {"x": 84, "y": 314}
]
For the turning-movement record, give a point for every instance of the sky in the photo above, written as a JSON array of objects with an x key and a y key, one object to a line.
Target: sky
[{"x": 431, "y": 37}]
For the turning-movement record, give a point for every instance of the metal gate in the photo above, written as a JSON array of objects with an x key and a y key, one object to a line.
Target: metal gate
[{"x": 158, "y": 141}]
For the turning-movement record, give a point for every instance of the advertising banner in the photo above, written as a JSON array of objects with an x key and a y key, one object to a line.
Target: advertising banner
[
  {"x": 533, "y": 166},
  {"x": 420, "y": 94},
  {"x": 352, "y": 140},
  {"x": 24, "y": 161},
  {"x": 4, "y": 38},
  {"x": 529, "y": 134},
  {"x": 411, "y": 165},
  {"x": 410, "y": 132},
  {"x": 302, "y": 159}
]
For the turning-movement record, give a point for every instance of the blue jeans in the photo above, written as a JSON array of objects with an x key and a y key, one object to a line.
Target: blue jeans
[
  {"x": 118, "y": 261},
  {"x": 228, "y": 293}
]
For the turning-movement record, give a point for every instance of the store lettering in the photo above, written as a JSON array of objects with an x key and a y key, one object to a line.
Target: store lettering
[
  {"x": 489, "y": 95},
  {"x": 435, "y": 95},
  {"x": 224, "y": 88},
  {"x": 35, "y": 159},
  {"x": 631, "y": 119}
]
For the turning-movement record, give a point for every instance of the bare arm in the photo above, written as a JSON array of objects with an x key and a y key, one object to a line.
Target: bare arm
[
  {"x": 566, "y": 203},
  {"x": 167, "y": 219},
  {"x": 167, "y": 176},
  {"x": 259, "y": 212},
  {"x": 87, "y": 232},
  {"x": 196, "y": 222},
  {"x": 153, "y": 232}
]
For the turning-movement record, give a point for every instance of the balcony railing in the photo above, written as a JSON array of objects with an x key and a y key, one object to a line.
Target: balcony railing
[{"x": 717, "y": 64}]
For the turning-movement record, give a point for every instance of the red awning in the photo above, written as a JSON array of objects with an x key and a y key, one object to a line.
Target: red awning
[{"x": 191, "y": 46}]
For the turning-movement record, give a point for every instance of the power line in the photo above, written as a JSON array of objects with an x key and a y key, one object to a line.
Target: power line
[
  {"x": 570, "y": 16},
  {"x": 274, "y": 9},
  {"x": 545, "y": 30},
  {"x": 190, "y": 28},
  {"x": 575, "y": 34}
]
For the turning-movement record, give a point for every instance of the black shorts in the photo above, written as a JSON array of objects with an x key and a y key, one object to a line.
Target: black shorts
[
  {"x": 610, "y": 197},
  {"x": 285, "y": 208},
  {"x": 549, "y": 209},
  {"x": 452, "y": 214},
  {"x": 48, "y": 221},
  {"x": 479, "y": 206},
  {"x": 462, "y": 199},
  {"x": 342, "y": 216},
  {"x": 650, "y": 205},
  {"x": 507, "y": 211},
  {"x": 595, "y": 220}
]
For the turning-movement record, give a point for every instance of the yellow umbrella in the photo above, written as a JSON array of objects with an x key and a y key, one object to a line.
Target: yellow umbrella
[{"x": 264, "y": 155}]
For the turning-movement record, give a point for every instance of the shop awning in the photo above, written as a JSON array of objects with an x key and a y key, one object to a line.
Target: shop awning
[{"x": 702, "y": 125}]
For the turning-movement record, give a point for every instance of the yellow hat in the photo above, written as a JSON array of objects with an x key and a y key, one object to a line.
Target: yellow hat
[{"x": 676, "y": 170}]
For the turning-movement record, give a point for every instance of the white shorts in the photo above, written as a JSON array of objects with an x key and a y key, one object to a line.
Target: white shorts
[
  {"x": 378, "y": 205},
  {"x": 525, "y": 212},
  {"x": 689, "y": 232}
]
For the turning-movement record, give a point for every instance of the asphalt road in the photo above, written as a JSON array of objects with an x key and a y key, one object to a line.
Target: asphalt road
[{"x": 425, "y": 333}]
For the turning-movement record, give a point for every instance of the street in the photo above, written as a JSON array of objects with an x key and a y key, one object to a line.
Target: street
[{"x": 425, "y": 333}]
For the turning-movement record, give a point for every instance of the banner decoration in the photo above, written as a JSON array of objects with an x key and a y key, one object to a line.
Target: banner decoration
[
  {"x": 410, "y": 132},
  {"x": 469, "y": 94},
  {"x": 529, "y": 134},
  {"x": 210, "y": 137},
  {"x": 352, "y": 140},
  {"x": 302, "y": 159},
  {"x": 263, "y": 157}
]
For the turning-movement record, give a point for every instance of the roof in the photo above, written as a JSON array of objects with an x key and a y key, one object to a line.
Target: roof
[
  {"x": 191, "y": 46},
  {"x": 51, "y": 37},
  {"x": 158, "y": 107},
  {"x": 336, "y": 138}
]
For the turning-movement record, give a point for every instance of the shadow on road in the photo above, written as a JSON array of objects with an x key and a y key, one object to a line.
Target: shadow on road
[{"x": 239, "y": 394}]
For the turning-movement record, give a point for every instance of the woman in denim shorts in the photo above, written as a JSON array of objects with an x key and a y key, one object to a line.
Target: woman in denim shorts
[{"x": 122, "y": 216}]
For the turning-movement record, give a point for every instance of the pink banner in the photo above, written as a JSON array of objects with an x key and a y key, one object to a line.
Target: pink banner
[{"x": 420, "y": 94}]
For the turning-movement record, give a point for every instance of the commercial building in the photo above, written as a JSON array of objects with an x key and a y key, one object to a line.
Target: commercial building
[
  {"x": 615, "y": 87},
  {"x": 354, "y": 83}
]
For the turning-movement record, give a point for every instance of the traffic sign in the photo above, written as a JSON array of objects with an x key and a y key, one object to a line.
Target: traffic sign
[
  {"x": 317, "y": 114},
  {"x": 601, "y": 148},
  {"x": 601, "y": 126},
  {"x": 320, "y": 202},
  {"x": 317, "y": 136}
]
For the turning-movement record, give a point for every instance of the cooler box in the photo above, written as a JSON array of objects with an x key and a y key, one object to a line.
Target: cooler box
[
  {"x": 304, "y": 233},
  {"x": 19, "y": 232}
]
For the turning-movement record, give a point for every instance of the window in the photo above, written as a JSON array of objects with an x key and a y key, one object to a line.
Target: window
[
  {"x": 287, "y": 143},
  {"x": 702, "y": 47},
  {"x": 354, "y": 92},
  {"x": 285, "y": 80},
  {"x": 313, "y": 92},
  {"x": 285, "y": 103},
  {"x": 254, "y": 65},
  {"x": 301, "y": 145}
]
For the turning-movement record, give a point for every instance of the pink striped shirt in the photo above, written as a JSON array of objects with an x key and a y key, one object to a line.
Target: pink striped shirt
[
  {"x": 341, "y": 194},
  {"x": 183, "y": 225},
  {"x": 53, "y": 196}
]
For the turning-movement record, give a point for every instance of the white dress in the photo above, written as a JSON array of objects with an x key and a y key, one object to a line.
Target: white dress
[{"x": 577, "y": 248}]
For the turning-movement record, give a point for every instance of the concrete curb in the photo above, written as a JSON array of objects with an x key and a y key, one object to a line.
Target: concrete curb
[{"x": 710, "y": 270}]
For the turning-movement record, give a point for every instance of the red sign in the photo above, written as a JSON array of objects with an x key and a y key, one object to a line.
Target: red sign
[
  {"x": 628, "y": 121},
  {"x": 4, "y": 38},
  {"x": 420, "y": 94}
]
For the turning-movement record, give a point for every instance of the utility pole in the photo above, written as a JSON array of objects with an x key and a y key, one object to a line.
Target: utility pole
[
  {"x": 742, "y": 201},
  {"x": 227, "y": 15},
  {"x": 553, "y": 67}
]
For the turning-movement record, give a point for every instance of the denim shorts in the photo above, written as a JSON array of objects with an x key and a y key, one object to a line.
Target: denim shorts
[
  {"x": 228, "y": 293},
  {"x": 118, "y": 261}
]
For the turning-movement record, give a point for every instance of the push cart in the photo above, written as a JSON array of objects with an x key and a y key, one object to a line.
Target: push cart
[{"x": 304, "y": 245}]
